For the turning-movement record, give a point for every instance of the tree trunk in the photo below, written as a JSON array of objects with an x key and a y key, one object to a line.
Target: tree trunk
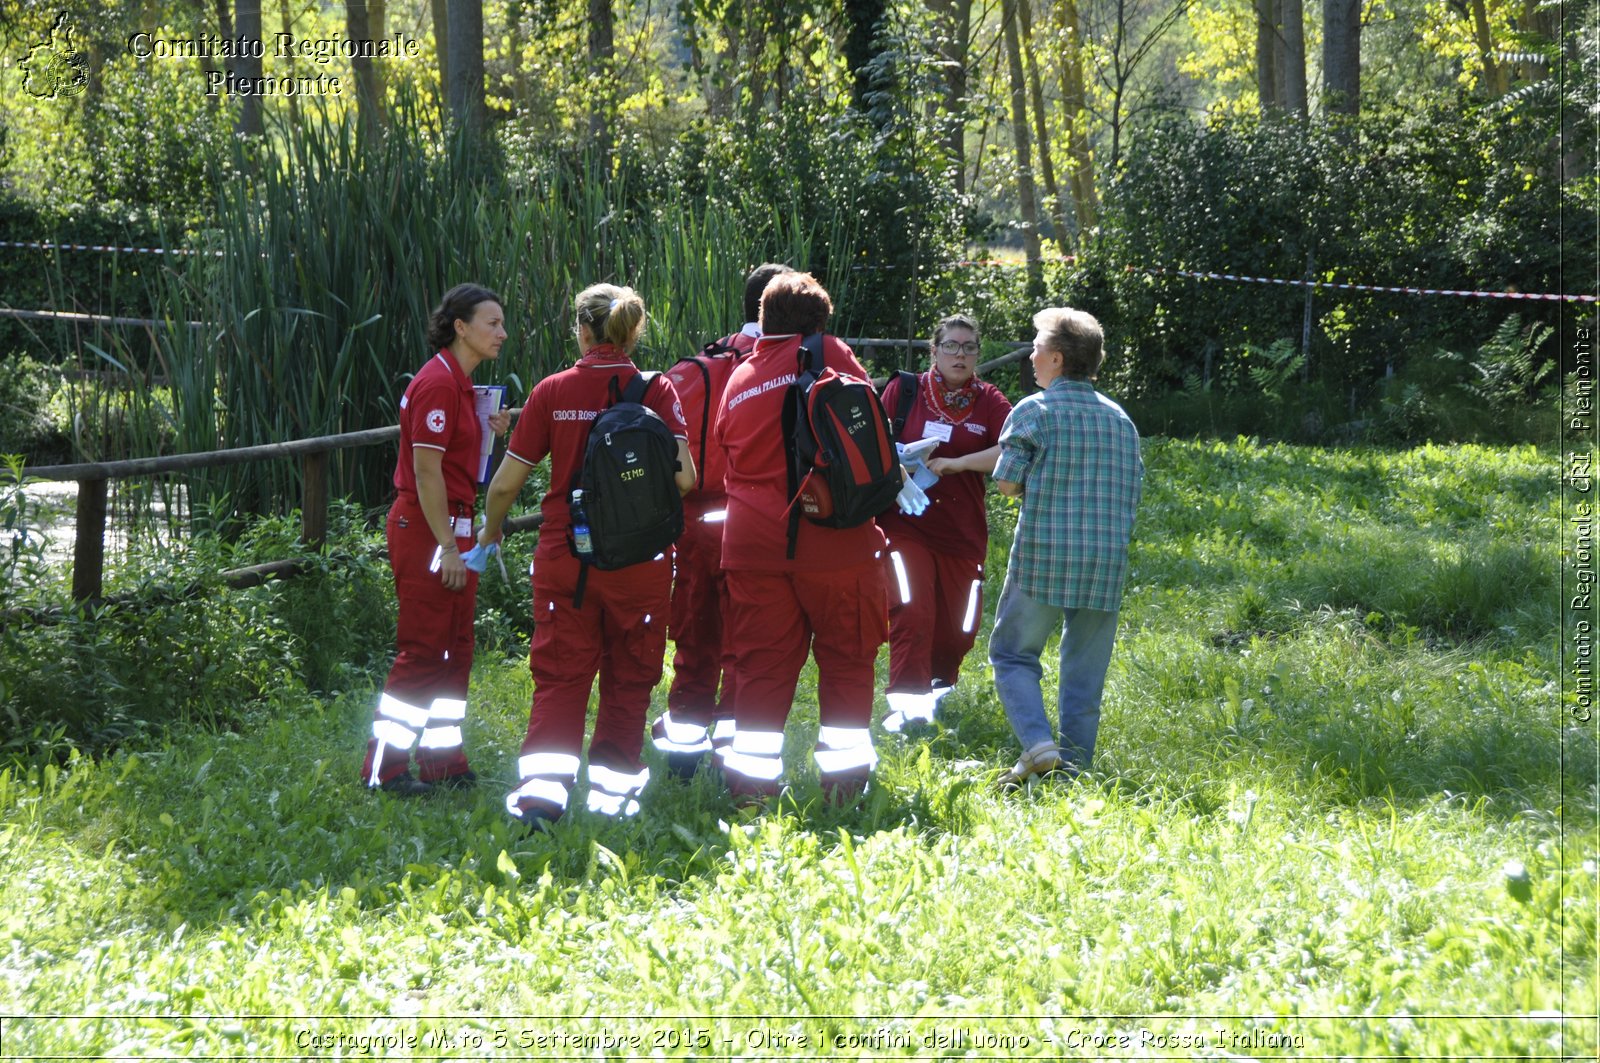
[
  {"x": 514, "y": 49},
  {"x": 1267, "y": 55},
  {"x": 1047, "y": 170},
  {"x": 369, "y": 82},
  {"x": 1019, "y": 133},
  {"x": 602, "y": 49},
  {"x": 1075, "y": 103},
  {"x": 1341, "y": 56},
  {"x": 955, "y": 40},
  {"x": 860, "y": 47},
  {"x": 465, "y": 35},
  {"x": 441, "y": 48},
  {"x": 1292, "y": 55},
  {"x": 286, "y": 20},
  {"x": 1494, "y": 73},
  {"x": 246, "y": 23}
]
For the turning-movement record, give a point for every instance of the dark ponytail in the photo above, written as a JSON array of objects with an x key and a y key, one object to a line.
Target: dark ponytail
[{"x": 458, "y": 304}]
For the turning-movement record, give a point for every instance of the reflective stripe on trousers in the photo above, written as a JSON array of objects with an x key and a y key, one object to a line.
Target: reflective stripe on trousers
[
  {"x": 546, "y": 777},
  {"x": 754, "y": 755},
  {"x": 614, "y": 793},
  {"x": 842, "y": 750},
  {"x": 443, "y": 728},
  {"x": 905, "y": 707},
  {"x": 396, "y": 725},
  {"x": 681, "y": 737}
]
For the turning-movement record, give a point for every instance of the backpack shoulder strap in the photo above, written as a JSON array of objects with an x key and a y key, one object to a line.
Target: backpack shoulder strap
[
  {"x": 699, "y": 362},
  {"x": 903, "y": 400},
  {"x": 810, "y": 354},
  {"x": 636, "y": 389}
]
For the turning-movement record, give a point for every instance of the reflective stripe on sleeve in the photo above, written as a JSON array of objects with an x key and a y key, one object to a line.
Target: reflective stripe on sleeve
[{"x": 972, "y": 607}]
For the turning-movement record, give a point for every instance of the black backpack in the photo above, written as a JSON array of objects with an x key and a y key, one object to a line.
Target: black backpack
[
  {"x": 843, "y": 470},
  {"x": 630, "y": 500}
]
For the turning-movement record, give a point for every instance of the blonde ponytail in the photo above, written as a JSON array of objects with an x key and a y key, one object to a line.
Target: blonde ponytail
[{"x": 613, "y": 314}]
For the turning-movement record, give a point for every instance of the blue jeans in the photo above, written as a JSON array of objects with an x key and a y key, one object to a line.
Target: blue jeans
[{"x": 1021, "y": 628}]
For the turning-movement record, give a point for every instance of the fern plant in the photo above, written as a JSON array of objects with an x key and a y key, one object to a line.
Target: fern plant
[{"x": 1508, "y": 366}]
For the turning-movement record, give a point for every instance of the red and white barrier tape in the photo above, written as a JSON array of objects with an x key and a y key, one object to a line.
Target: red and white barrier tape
[
  {"x": 969, "y": 263},
  {"x": 1334, "y": 285},
  {"x": 1340, "y": 286},
  {"x": 41, "y": 245}
]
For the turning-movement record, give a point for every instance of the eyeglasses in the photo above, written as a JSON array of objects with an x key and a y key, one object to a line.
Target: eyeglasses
[{"x": 952, "y": 347}]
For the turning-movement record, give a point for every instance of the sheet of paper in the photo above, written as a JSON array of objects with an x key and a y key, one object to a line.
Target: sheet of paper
[
  {"x": 913, "y": 455},
  {"x": 491, "y": 399}
]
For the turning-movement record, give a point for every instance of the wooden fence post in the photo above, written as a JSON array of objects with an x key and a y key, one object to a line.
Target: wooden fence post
[
  {"x": 314, "y": 498},
  {"x": 89, "y": 551}
]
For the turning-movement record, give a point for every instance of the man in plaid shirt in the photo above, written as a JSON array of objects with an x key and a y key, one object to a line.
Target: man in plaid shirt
[{"x": 1072, "y": 455}]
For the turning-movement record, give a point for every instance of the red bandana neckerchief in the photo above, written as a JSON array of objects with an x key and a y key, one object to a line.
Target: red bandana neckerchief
[{"x": 953, "y": 404}]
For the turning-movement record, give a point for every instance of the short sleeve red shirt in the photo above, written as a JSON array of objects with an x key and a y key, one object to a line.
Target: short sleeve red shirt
[
  {"x": 955, "y": 522},
  {"x": 555, "y": 423},
  {"x": 701, "y": 393},
  {"x": 438, "y": 411},
  {"x": 749, "y": 429}
]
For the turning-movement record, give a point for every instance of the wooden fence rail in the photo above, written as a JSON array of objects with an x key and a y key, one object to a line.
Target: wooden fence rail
[{"x": 93, "y": 478}]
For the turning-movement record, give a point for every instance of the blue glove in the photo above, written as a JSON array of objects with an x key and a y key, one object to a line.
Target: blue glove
[
  {"x": 912, "y": 499},
  {"x": 477, "y": 559}
]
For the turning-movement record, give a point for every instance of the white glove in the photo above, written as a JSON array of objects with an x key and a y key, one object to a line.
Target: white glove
[{"x": 912, "y": 499}]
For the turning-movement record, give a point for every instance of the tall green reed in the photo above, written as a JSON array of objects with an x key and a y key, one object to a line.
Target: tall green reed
[{"x": 334, "y": 252}]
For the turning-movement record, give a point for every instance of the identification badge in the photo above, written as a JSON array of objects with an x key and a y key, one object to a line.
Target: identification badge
[{"x": 936, "y": 430}]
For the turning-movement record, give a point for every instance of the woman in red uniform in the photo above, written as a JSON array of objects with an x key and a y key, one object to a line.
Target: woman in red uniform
[
  {"x": 620, "y": 630},
  {"x": 829, "y": 600},
  {"x": 424, "y": 700},
  {"x": 697, "y": 716},
  {"x": 935, "y": 560}
]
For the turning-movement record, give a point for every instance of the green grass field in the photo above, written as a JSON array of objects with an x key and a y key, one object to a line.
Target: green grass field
[{"x": 1336, "y": 813}]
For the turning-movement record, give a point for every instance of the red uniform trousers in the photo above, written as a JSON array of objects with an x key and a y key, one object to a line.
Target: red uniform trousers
[
  {"x": 936, "y": 605},
  {"x": 774, "y": 619},
  {"x": 620, "y": 633},
  {"x": 424, "y": 700},
  {"x": 696, "y": 717}
]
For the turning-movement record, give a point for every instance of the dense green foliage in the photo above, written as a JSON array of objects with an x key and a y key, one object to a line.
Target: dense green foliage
[
  {"x": 1333, "y": 782},
  {"x": 175, "y": 647},
  {"x": 1434, "y": 199},
  {"x": 820, "y": 132}
]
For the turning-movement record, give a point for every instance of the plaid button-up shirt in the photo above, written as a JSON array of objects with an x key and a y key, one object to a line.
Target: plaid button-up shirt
[{"x": 1076, "y": 455}]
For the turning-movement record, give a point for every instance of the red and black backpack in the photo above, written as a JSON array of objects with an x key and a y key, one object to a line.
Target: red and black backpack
[{"x": 843, "y": 469}]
